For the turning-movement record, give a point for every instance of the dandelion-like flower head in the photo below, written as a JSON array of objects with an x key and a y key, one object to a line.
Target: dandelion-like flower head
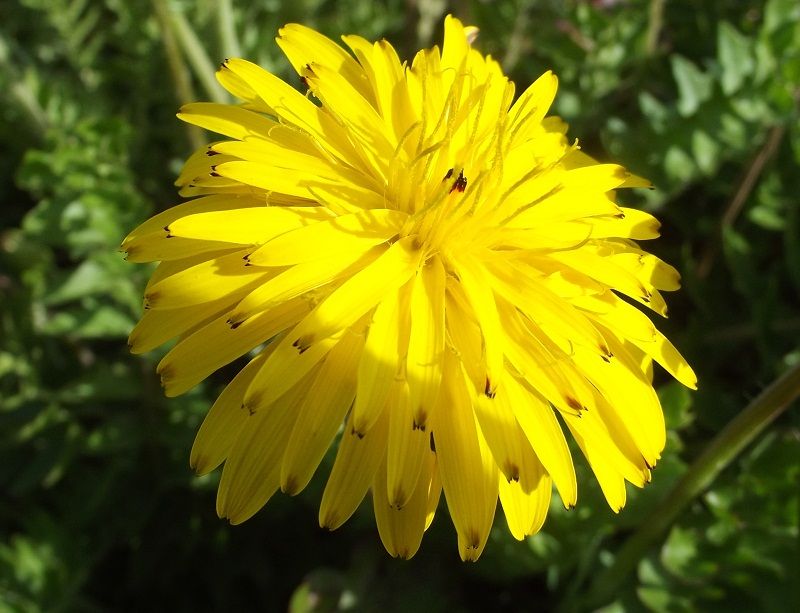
[{"x": 416, "y": 261}]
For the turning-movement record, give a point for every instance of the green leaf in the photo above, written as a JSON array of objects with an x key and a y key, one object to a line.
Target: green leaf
[
  {"x": 706, "y": 150},
  {"x": 104, "y": 274},
  {"x": 102, "y": 322},
  {"x": 679, "y": 165},
  {"x": 679, "y": 550},
  {"x": 694, "y": 85},
  {"x": 735, "y": 55}
]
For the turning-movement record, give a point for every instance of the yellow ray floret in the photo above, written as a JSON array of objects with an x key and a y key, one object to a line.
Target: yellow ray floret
[{"x": 423, "y": 274}]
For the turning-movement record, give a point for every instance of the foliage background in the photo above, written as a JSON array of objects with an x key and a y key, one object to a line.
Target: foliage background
[{"x": 99, "y": 510}]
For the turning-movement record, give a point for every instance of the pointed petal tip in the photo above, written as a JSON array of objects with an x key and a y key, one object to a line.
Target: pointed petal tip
[
  {"x": 329, "y": 522},
  {"x": 291, "y": 486}
]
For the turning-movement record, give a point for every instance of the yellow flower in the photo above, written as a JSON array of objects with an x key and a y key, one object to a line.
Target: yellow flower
[{"x": 416, "y": 262}]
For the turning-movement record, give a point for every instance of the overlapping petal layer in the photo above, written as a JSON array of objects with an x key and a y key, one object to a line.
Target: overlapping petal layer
[{"x": 417, "y": 261}]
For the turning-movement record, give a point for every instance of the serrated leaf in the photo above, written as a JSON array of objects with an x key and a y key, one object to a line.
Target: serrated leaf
[
  {"x": 679, "y": 550},
  {"x": 735, "y": 55},
  {"x": 706, "y": 151},
  {"x": 694, "y": 85},
  {"x": 102, "y": 322}
]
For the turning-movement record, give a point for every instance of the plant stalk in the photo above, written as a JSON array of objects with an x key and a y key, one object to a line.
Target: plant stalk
[
  {"x": 178, "y": 69},
  {"x": 196, "y": 54},
  {"x": 227, "y": 29}
]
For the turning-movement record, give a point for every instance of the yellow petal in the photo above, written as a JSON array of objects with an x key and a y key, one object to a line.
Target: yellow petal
[
  {"x": 664, "y": 352},
  {"x": 321, "y": 414},
  {"x": 256, "y": 174},
  {"x": 526, "y": 501},
  {"x": 252, "y": 470},
  {"x": 477, "y": 284},
  {"x": 292, "y": 106},
  {"x": 401, "y": 530},
  {"x": 354, "y": 232},
  {"x": 360, "y": 293},
  {"x": 532, "y": 105},
  {"x": 298, "y": 280},
  {"x": 625, "y": 387},
  {"x": 468, "y": 472},
  {"x": 538, "y": 421},
  {"x": 224, "y": 420},
  {"x": 455, "y": 47},
  {"x": 247, "y": 225},
  {"x": 630, "y": 223},
  {"x": 158, "y": 326},
  {"x": 611, "y": 274},
  {"x": 426, "y": 340},
  {"x": 226, "y": 119},
  {"x": 407, "y": 447},
  {"x": 434, "y": 493},
  {"x": 358, "y": 458},
  {"x": 611, "y": 481},
  {"x": 630, "y": 324},
  {"x": 285, "y": 367},
  {"x": 510, "y": 448},
  {"x": 304, "y": 46},
  {"x": 156, "y": 224},
  {"x": 205, "y": 282},
  {"x": 287, "y": 150},
  {"x": 379, "y": 364},
  {"x": 217, "y": 344},
  {"x": 555, "y": 317},
  {"x": 607, "y": 434},
  {"x": 538, "y": 366},
  {"x": 387, "y": 79},
  {"x": 355, "y": 111}
]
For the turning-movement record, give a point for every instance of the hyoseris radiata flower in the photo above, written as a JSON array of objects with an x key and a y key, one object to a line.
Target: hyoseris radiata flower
[{"x": 418, "y": 261}]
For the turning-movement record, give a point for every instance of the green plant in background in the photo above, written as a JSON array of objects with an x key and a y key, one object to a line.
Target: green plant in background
[{"x": 100, "y": 510}]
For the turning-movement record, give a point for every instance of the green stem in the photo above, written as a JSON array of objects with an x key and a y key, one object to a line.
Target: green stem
[
  {"x": 203, "y": 67},
  {"x": 742, "y": 430},
  {"x": 178, "y": 69},
  {"x": 227, "y": 29},
  {"x": 654, "y": 24}
]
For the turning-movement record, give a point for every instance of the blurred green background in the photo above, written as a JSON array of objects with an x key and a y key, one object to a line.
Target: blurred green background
[{"x": 99, "y": 510}]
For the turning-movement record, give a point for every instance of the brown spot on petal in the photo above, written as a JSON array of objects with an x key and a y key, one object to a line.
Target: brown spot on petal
[
  {"x": 303, "y": 343},
  {"x": 473, "y": 540},
  {"x": 291, "y": 487},
  {"x": 488, "y": 390}
]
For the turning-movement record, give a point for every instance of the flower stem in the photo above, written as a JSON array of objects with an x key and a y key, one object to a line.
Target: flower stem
[
  {"x": 203, "y": 67},
  {"x": 742, "y": 430},
  {"x": 227, "y": 29},
  {"x": 177, "y": 67}
]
